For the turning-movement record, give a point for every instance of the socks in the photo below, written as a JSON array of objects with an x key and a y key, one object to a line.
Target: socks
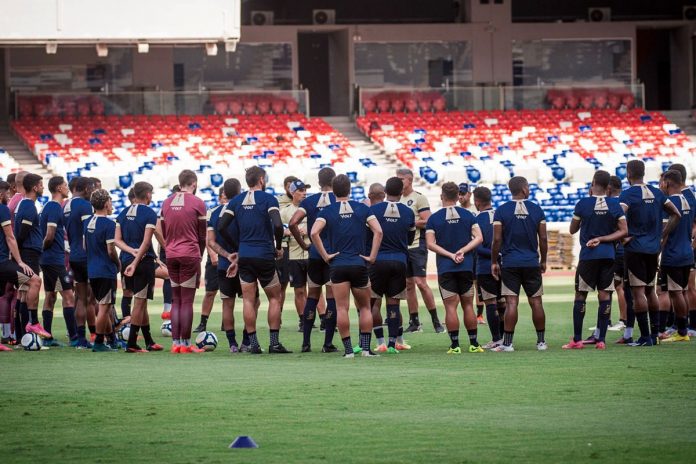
[
  {"x": 133, "y": 337},
  {"x": 147, "y": 335},
  {"x": 81, "y": 333},
  {"x": 692, "y": 319},
  {"x": 479, "y": 310},
  {"x": 671, "y": 319},
  {"x": 231, "y": 339},
  {"x": 92, "y": 329},
  {"x": 253, "y": 341},
  {"x": 630, "y": 313},
  {"x": 275, "y": 336},
  {"x": 540, "y": 335},
  {"x": 308, "y": 318},
  {"x": 628, "y": 333},
  {"x": 245, "y": 338},
  {"x": 393, "y": 318},
  {"x": 70, "y": 322},
  {"x": 578, "y": 317},
  {"x": 365, "y": 339},
  {"x": 33, "y": 316},
  {"x": 507, "y": 338},
  {"x": 433, "y": 316},
  {"x": 126, "y": 305},
  {"x": 681, "y": 325},
  {"x": 379, "y": 335},
  {"x": 99, "y": 340},
  {"x": 654, "y": 316},
  {"x": 661, "y": 321},
  {"x": 204, "y": 320},
  {"x": 414, "y": 319},
  {"x": 47, "y": 317},
  {"x": 23, "y": 314},
  {"x": 493, "y": 322},
  {"x": 472, "y": 337},
  {"x": 347, "y": 345},
  {"x": 400, "y": 336},
  {"x": 643, "y": 324},
  {"x": 454, "y": 338},
  {"x": 330, "y": 325},
  {"x": 603, "y": 314}
]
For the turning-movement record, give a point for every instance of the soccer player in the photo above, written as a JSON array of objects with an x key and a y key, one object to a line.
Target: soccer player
[
  {"x": 75, "y": 212},
  {"x": 643, "y": 205},
  {"x": 126, "y": 295},
  {"x": 212, "y": 284},
  {"x": 102, "y": 264},
  {"x": 19, "y": 193},
  {"x": 135, "y": 227},
  {"x": 601, "y": 222},
  {"x": 162, "y": 255},
  {"x": 677, "y": 255},
  {"x": 183, "y": 219},
  {"x": 613, "y": 191},
  {"x": 19, "y": 297},
  {"x": 344, "y": 223},
  {"x": 388, "y": 273},
  {"x": 317, "y": 268},
  {"x": 15, "y": 271},
  {"x": 8, "y": 291},
  {"x": 487, "y": 287},
  {"x": 452, "y": 233},
  {"x": 55, "y": 275},
  {"x": 298, "y": 256},
  {"x": 465, "y": 194},
  {"x": 258, "y": 222},
  {"x": 519, "y": 235},
  {"x": 27, "y": 230},
  {"x": 417, "y": 257}
]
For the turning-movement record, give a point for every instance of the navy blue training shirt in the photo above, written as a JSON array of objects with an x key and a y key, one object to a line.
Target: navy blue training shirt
[
  {"x": 678, "y": 251},
  {"x": 133, "y": 221},
  {"x": 345, "y": 231},
  {"x": 397, "y": 220},
  {"x": 75, "y": 212},
  {"x": 520, "y": 220},
  {"x": 452, "y": 227},
  {"x": 484, "y": 219},
  {"x": 644, "y": 217},
  {"x": 598, "y": 216},
  {"x": 215, "y": 214},
  {"x": 99, "y": 231},
  {"x": 52, "y": 215},
  {"x": 5, "y": 220},
  {"x": 312, "y": 206},
  {"x": 251, "y": 212},
  {"x": 27, "y": 214}
]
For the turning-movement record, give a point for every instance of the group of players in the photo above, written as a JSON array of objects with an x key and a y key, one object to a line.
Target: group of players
[{"x": 328, "y": 248}]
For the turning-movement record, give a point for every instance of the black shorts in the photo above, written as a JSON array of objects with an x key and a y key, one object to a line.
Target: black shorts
[
  {"x": 456, "y": 284},
  {"x": 31, "y": 258},
  {"x": 619, "y": 268},
  {"x": 79, "y": 272},
  {"x": 318, "y": 273},
  {"x": 488, "y": 287},
  {"x": 211, "y": 278},
  {"x": 388, "y": 278},
  {"x": 283, "y": 267},
  {"x": 640, "y": 269},
  {"x": 103, "y": 290},
  {"x": 298, "y": 272},
  {"x": 264, "y": 271},
  {"x": 528, "y": 278},
  {"x": 142, "y": 283},
  {"x": 163, "y": 255},
  {"x": 417, "y": 262},
  {"x": 10, "y": 272},
  {"x": 230, "y": 287},
  {"x": 595, "y": 274},
  {"x": 356, "y": 275},
  {"x": 674, "y": 278},
  {"x": 56, "y": 278}
]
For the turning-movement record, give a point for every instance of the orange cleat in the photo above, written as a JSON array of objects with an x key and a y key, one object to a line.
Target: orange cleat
[
  {"x": 166, "y": 315},
  {"x": 194, "y": 349},
  {"x": 92, "y": 337},
  {"x": 154, "y": 347},
  {"x": 600, "y": 346},
  {"x": 573, "y": 345},
  {"x": 176, "y": 349},
  {"x": 5, "y": 348}
]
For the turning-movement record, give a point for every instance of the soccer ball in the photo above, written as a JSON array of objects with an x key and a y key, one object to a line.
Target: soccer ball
[
  {"x": 206, "y": 341},
  {"x": 124, "y": 333},
  {"x": 167, "y": 328},
  {"x": 31, "y": 342}
]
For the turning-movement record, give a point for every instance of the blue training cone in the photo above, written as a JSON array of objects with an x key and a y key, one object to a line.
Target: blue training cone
[{"x": 244, "y": 441}]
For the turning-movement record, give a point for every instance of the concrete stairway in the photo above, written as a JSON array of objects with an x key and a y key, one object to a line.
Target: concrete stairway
[
  {"x": 684, "y": 120},
  {"x": 21, "y": 153}
]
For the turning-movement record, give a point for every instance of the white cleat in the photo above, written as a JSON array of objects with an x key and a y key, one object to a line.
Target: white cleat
[
  {"x": 493, "y": 344},
  {"x": 542, "y": 346},
  {"x": 618, "y": 327},
  {"x": 503, "y": 348},
  {"x": 348, "y": 355},
  {"x": 691, "y": 333}
]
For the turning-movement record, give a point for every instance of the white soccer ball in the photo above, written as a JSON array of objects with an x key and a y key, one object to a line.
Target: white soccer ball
[
  {"x": 167, "y": 328},
  {"x": 124, "y": 333},
  {"x": 31, "y": 342},
  {"x": 206, "y": 341}
]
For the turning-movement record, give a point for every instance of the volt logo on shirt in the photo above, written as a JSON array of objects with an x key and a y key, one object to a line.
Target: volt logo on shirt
[{"x": 521, "y": 211}]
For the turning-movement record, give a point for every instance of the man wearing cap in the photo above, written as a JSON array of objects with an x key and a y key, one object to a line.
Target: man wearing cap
[
  {"x": 297, "y": 255},
  {"x": 283, "y": 263}
]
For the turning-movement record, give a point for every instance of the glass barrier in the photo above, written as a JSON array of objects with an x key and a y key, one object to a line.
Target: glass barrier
[
  {"x": 581, "y": 97},
  {"x": 28, "y": 104}
]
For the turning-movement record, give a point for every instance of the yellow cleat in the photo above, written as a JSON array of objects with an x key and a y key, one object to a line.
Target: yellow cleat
[
  {"x": 476, "y": 349},
  {"x": 676, "y": 338},
  {"x": 456, "y": 350}
]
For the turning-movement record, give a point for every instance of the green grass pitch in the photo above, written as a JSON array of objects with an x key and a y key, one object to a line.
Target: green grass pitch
[{"x": 623, "y": 404}]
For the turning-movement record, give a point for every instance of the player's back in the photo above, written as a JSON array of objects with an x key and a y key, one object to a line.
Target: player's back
[
  {"x": 312, "y": 206},
  {"x": 75, "y": 212},
  {"x": 27, "y": 214},
  {"x": 677, "y": 250},
  {"x": 520, "y": 220},
  {"x": 133, "y": 222},
  {"x": 213, "y": 221},
  {"x": 484, "y": 219},
  {"x": 181, "y": 215},
  {"x": 99, "y": 232},
  {"x": 452, "y": 226},
  {"x": 644, "y": 217},
  {"x": 346, "y": 227},
  {"x": 52, "y": 214},
  {"x": 598, "y": 216},
  {"x": 397, "y": 221},
  {"x": 5, "y": 220},
  {"x": 252, "y": 213}
]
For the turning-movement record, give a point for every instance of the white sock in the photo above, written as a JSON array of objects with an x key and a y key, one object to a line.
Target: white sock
[
  {"x": 400, "y": 340},
  {"x": 167, "y": 307},
  {"x": 596, "y": 332},
  {"x": 176, "y": 341},
  {"x": 6, "y": 330},
  {"x": 380, "y": 341},
  {"x": 628, "y": 332}
]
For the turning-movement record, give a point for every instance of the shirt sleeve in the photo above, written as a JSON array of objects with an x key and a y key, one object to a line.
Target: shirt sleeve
[
  {"x": 5, "y": 218},
  {"x": 498, "y": 217},
  {"x": 422, "y": 203},
  {"x": 54, "y": 216},
  {"x": 624, "y": 199},
  {"x": 430, "y": 225},
  {"x": 151, "y": 220},
  {"x": 542, "y": 215},
  {"x": 110, "y": 231},
  {"x": 200, "y": 209},
  {"x": 273, "y": 203},
  {"x": 322, "y": 215},
  {"x": 576, "y": 212}
]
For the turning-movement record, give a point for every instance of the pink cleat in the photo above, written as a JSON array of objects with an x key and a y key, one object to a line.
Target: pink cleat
[
  {"x": 38, "y": 330},
  {"x": 573, "y": 345},
  {"x": 381, "y": 348},
  {"x": 600, "y": 346},
  {"x": 5, "y": 348}
]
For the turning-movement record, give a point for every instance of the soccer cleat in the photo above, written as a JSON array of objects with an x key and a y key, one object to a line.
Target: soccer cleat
[
  {"x": 357, "y": 350},
  {"x": 135, "y": 349},
  {"x": 381, "y": 348},
  {"x": 624, "y": 341},
  {"x": 5, "y": 348},
  {"x": 154, "y": 347},
  {"x": 542, "y": 346},
  {"x": 38, "y": 330},
  {"x": 115, "y": 345},
  {"x": 492, "y": 344},
  {"x": 348, "y": 355},
  {"x": 278, "y": 349},
  {"x": 306, "y": 349},
  {"x": 438, "y": 327},
  {"x": 676, "y": 338},
  {"x": 166, "y": 315},
  {"x": 200, "y": 328},
  {"x": 691, "y": 332},
  {"x": 642, "y": 341},
  {"x": 591, "y": 340},
  {"x": 102, "y": 348},
  {"x": 8, "y": 341},
  {"x": 573, "y": 345},
  {"x": 243, "y": 348},
  {"x": 601, "y": 346},
  {"x": 476, "y": 349},
  {"x": 619, "y": 326},
  {"x": 52, "y": 342},
  {"x": 329, "y": 349},
  {"x": 194, "y": 349},
  {"x": 255, "y": 350},
  {"x": 668, "y": 333},
  {"x": 503, "y": 348},
  {"x": 392, "y": 350},
  {"x": 455, "y": 350},
  {"x": 84, "y": 345},
  {"x": 480, "y": 320},
  {"x": 403, "y": 346},
  {"x": 176, "y": 349},
  {"x": 413, "y": 327},
  {"x": 234, "y": 349},
  {"x": 368, "y": 354}
]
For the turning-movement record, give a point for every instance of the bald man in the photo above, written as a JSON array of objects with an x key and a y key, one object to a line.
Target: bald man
[
  {"x": 375, "y": 194},
  {"x": 17, "y": 197}
]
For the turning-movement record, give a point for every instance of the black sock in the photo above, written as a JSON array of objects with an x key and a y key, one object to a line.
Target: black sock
[
  {"x": 393, "y": 318},
  {"x": 99, "y": 339},
  {"x": 133, "y": 336},
  {"x": 253, "y": 341},
  {"x": 19, "y": 328},
  {"x": 111, "y": 338},
  {"x": 692, "y": 319},
  {"x": 578, "y": 316},
  {"x": 24, "y": 314},
  {"x": 603, "y": 314},
  {"x": 92, "y": 329},
  {"x": 661, "y": 321},
  {"x": 379, "y": 332},
  {"x": 671, "y": 319},
  {"x": 501, "y": 317},
  {"x": 507, "y": 338},
  {"x": 479, "y": 310},
  {"x": 401, "y": 330},
  {"x": 433, "y": 315},
  {"x": 643, "y": 324},
  {"x": 540, "y": 335},
  {"x": 309, "y": 316},
  {"x": 204, "y": 320},
  {"x": 493, "y": 322},
  {"x": 365, "y": 339},
  {"x": 147, "y": 335},
  {"x": 654, "y": 316},
  {"x": 681, "y": 325},
  {"x": 454, "y": 338},
  {"x": 33, "y": 316},
  {"x": 70, "y": 322},
  {"x": 126, "y": 305},
  {"x": 275, "y": 337},
  {"x": 414, "y": 319},
  {"x": 330, "y": 322},
  {"x": 81, "y": 332},
  {"x": 347, "y": 345},
  {"x": 47, "y": 317},
  {"x": 231, "y": 338},
  {"x": 245, "y": 338},
  {"x": 472, "y": 337}
]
